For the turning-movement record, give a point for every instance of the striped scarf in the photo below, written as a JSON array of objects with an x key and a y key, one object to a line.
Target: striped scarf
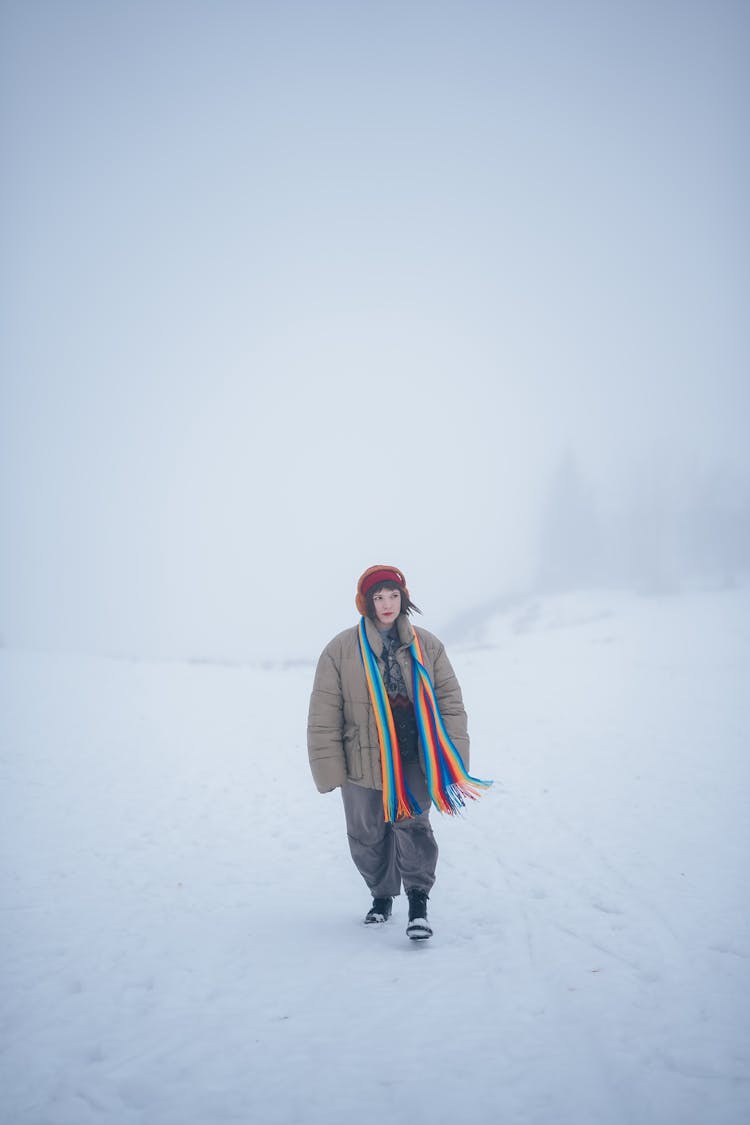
[{"x": 448, "y": 782}]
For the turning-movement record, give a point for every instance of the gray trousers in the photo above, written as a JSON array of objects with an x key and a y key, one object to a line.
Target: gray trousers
[{"x": 387, "y": 854}]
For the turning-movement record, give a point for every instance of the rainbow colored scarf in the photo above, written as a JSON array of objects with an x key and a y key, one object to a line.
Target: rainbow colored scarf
[{"x": 448, "y": 783}]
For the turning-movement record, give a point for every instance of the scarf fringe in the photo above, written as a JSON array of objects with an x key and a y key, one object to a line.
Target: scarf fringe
[{"x": 449, "y": 784}]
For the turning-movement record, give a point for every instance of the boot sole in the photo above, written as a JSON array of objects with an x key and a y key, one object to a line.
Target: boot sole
[{"x": 419, "y": 930}]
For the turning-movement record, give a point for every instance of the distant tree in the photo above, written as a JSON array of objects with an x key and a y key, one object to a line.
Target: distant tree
[
  {"x": 649, "y": 557},
  {"x": 571, "y": 552},
  {"x": 714, "y": 527}
]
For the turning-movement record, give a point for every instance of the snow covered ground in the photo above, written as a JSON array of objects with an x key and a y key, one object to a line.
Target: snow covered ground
[{"x": 181, "y": 922}]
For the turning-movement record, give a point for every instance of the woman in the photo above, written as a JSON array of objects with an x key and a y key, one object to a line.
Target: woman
[{"x": 387, "y": 726}]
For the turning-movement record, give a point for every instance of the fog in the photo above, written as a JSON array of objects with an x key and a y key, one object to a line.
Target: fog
[{"x": 292, "y": 288}]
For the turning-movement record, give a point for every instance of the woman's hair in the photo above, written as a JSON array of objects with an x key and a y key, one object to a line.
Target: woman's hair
[{"x": 407, "y": 605}]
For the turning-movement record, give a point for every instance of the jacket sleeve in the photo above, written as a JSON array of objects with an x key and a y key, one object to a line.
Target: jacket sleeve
[
  {"x": 451, "y": 704},
  {"x": 325, "y": 746}
]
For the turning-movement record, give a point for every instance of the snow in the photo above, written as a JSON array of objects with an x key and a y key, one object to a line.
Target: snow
[{"x": 182, "y": 925}]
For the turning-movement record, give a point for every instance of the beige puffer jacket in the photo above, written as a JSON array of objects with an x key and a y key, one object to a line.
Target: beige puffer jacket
[{"x": 342, "y": 738}]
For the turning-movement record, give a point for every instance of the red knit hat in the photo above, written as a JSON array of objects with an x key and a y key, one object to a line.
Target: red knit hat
[{"x": 374, "y": 576}]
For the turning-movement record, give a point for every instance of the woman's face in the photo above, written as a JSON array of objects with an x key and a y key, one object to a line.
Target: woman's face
[{"x": 387, "y": 605}]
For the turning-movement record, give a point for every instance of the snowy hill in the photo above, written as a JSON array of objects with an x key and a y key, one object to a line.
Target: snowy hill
[{"x": 182, "y": 923}]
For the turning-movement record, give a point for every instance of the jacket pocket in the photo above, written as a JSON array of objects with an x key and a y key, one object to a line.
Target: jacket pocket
[{"x": 353, "y": 754}]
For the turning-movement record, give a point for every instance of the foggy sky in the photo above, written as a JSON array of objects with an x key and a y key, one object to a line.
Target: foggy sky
[{"x": 292, "y": 288}]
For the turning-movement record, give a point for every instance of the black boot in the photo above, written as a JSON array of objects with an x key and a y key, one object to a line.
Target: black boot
[
  {"x": 380, "y": 911},
  {"x": 418, "y": 928}
]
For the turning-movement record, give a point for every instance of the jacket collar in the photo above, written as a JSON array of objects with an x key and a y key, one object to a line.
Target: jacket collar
[{"x": 405, "y": 633}]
